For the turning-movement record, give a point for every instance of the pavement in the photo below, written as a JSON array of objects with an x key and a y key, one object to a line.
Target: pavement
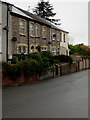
[{"x": 62, "y": 97}]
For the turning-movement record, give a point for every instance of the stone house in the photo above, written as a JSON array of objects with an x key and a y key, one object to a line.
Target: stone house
[{"x": 22, "y": 32}]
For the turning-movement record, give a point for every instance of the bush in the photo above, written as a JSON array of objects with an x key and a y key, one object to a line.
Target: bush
[
  {"x": 16, "y": 70},
  {"x": 36, "y": 56},
  {"x": 18, "y": 57},
  {"x": 45, "y": 64},
  {"x": 13, "y": 70},
  {"x": 62, "y": 58},
  {"x": 30, "y": 67},
  {"x": 49, "y": 55},
  {"x": 26, "y": 67},
  {"x": 36, "y": 63},
  {"x": 7, "y": 67}
]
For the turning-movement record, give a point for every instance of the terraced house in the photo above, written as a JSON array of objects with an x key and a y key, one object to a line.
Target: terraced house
[{"x": 22, "y": 31}]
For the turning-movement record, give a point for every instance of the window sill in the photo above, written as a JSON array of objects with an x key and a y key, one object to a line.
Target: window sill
[
  {"x": 37, "y": 36},
  {"x": 32, "y": 36},
  {"x": 43, "y": 50},
  {"x": 22, "y": 53},
  {"x": 22, "y": 34},
  {"x": 57, "y": 40},
  {"x": 44, "y": 38},
  {"x": 53, "y": 39}
]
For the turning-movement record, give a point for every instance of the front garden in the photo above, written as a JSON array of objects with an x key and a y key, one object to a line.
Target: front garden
[{"x": 34, "y": 64}]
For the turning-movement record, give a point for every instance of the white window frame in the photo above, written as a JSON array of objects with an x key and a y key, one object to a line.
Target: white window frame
[
  {"x": 43, "y": 32},
  {"x": 37, "y": 30},
  {"x": 31, "y": 25},
  {"x": 44, "y": 48},
  {"x": 64, "y": 37},
  {"x": 53, "y": 38},
  {"x": 21, "y": 26},
  {"x": 22, "y": 49},
  {"x": 53, "y": 49},
  {"x": 58, "y": 37}
]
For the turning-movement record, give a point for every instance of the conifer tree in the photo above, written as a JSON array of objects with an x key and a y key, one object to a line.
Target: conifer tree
[{"x": 44, "y": 10}]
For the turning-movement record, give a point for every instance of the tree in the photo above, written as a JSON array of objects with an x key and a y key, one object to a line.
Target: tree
[
  {"x": 79, "y": 49},
  {"x": 44, "y": 10}
]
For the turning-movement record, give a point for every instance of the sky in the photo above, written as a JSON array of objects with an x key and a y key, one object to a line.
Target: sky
[{"x": 73, "y": 15}]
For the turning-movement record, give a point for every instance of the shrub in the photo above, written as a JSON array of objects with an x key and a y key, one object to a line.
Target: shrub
[
  {"x": 62, "y": 58},
  {"x": 45, "y": 64},
  {"x": 14, "y": 59},
  {"x": 7, "y": 67},
  {"x": 16, "y": 70},
  {"x": 49, "y": 55},
  {"x": 18, "y": 57},
  {"x": 36, "y": 56},
  {"x": 13, "y": 70},
  {"x": 27, "y": 68},
  {"x": 30, "y": 67}
]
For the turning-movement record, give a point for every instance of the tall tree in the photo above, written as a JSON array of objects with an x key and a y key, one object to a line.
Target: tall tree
[
  {"x": 44, "y": 9},
  {"x": 79, "y": 49}
]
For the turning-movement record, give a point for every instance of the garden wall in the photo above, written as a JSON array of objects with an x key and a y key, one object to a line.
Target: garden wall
[
  {"x": 7, "y": 81},
  {"x": 54, "y": 71},
  {"x": 66, "y": 68}
]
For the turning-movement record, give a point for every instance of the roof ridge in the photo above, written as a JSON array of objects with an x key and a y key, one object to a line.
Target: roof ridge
[{"x": 41, "y": 20}]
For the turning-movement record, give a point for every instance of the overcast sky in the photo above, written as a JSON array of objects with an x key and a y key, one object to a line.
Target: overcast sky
[{"x": 73, "y": 15}]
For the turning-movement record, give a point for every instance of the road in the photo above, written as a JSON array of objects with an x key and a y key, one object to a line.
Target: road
[{"x": 61, "y": 97}]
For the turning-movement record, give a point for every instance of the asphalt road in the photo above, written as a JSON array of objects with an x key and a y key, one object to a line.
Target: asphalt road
[{"x": 62, "y": 97}]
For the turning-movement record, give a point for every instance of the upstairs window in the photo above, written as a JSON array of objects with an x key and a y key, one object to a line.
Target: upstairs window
[
  {"x": 31, "y": 29},
  {"x": 64, "y": 37},
  {"x": 60, "y": 37},
  {"x": 43, "y": 32},
  {"x": 37, "y": 30},
  {"x": 22, "y": 26},
  {"x": 53, "y": 36}
]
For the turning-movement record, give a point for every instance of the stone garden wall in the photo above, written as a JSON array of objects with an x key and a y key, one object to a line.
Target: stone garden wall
[{"x": 55, "y": 71}]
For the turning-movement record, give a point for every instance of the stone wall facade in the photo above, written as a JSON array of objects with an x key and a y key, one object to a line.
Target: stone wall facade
[{"x": 22, "y": 39}]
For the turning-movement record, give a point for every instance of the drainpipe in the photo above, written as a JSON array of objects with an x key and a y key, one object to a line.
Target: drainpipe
[
  {"x": 7, "y": 35},
  {"x": 50, "y": 38},
  {"x": 28, "y": 35},
  {"x": 59, "y": 48}
]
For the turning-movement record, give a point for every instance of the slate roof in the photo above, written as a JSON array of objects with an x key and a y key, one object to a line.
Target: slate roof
[
  {"x": 34, "y": 17},
  {"x": 17, "y": 11},
  {"x": 42, "y": 20}
]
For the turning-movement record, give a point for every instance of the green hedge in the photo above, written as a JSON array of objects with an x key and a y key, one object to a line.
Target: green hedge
[
  {"x": 33, "y": 63},
  {"x": 13, "y": 70},
  {"x": 26, "y": 67},
  {"x": 62, "y": 58}
]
